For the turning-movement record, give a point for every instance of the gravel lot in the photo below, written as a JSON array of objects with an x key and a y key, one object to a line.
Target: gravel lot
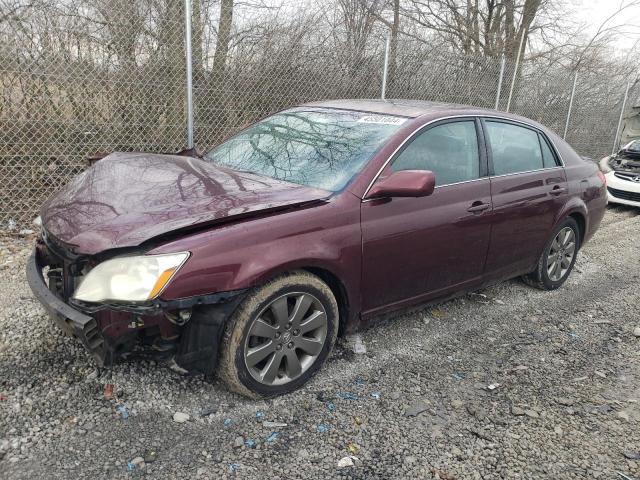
[{"x": 415, "y": 405}]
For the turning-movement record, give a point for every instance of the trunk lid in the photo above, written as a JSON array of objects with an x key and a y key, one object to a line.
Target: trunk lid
[{"x": 126, "y": 199}]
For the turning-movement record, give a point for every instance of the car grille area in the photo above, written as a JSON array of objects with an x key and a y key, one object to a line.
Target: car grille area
[
  {"x": 624, "y": 195},
  {"x": 65, "y": 269},
  {"x": 630, "y": 177}
]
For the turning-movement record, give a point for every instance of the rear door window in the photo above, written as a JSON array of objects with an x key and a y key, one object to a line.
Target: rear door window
[
  {"x": 514, "y": 148},
  {"x": 449, "y": 150}
]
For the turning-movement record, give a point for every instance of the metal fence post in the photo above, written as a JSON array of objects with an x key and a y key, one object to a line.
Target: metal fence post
[
  {"x": 624, "y": 104},
  {"x": 189, "y": 82},
  {"x": 573, "y": 92},
  {"x": 500, "y": 83},
  {"x": 386, "y": 67},
  {"x": 515, "y": 71}
]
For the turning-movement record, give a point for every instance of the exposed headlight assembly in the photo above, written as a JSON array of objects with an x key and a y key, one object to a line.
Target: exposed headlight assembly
[
  {"x": 604, "y": 165},
  {"x": 129, "y": 279}
]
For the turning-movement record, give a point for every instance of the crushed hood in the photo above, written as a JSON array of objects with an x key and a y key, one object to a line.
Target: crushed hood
[{"x": 126, "y": 199}]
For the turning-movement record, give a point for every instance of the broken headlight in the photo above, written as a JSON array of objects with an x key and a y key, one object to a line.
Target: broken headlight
[{"x": 130, "y": 279}]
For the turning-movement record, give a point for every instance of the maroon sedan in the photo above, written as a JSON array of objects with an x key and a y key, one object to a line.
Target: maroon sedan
[{"x": 252, "y": 259}]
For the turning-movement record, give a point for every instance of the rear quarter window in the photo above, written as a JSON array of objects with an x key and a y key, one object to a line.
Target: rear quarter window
[{"x": 548, "y": 158}]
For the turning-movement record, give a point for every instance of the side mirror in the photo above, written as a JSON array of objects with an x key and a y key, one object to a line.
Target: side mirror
[{"x": 405, "y": 183}]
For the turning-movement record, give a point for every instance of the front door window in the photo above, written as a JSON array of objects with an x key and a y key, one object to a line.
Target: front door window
[{"x": 449, "y": 150}]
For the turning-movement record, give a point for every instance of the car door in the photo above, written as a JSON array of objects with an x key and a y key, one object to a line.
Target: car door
[
  {"x": 528, "y": 188},
  {"x": 417, "y": 248}
]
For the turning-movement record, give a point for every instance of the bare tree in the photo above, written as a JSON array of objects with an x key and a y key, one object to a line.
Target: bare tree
[
  {"x": 492, "y": 28},
  {"x": 223, "y": 38},
  {"x": 357, "y": 17},
  {"x": 607, "y": 30}
]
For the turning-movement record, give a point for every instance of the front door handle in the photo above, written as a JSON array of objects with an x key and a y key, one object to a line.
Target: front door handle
[
  {"x": 557, "y": 190},
  {"x": 478, "y": 207}
]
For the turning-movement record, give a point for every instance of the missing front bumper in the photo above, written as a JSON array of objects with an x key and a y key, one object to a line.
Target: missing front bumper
[
  {"x": 198, "y": 345},
  {"x": 70, "y": 320}
]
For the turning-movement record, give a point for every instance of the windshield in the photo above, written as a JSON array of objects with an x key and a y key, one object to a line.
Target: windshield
[
  {"x": 320, "y": 148},
  {"x": 633, "y": 146}
]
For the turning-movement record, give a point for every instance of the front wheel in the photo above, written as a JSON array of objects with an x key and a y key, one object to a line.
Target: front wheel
[
  {"x": 557, "y": 259},
  {"x": 279, "y": 336}
]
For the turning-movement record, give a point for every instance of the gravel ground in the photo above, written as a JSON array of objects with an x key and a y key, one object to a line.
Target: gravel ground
[{"x": 565, "y": 366}]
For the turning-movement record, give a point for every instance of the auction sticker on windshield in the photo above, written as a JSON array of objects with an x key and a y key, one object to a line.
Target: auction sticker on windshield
[{"x": 383, "y": 119}]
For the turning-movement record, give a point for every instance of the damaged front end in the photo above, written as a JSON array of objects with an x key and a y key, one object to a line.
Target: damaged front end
[
  {"x": 626, "y": 162},
  {"x": 186, "y": 331}
]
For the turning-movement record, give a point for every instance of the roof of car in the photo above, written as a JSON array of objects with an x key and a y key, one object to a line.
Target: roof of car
[{"x": 406, "y": 108}]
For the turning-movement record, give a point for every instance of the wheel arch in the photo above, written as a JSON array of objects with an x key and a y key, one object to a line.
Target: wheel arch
[
  {"x": 344, "y": 295},
  {"x": 339, "y": 292},
  {"x": 575, "y": 208},
  {"x": 581, "y": 220}
]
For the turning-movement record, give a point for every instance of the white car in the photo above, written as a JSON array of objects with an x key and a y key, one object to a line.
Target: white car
[{"x": 622, "y": 171}]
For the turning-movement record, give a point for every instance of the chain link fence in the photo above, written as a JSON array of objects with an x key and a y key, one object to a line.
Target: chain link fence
[
  {"x": 427, "y": 73},
  {"x": 78, "y": 78},
  {"x": 82, "y": 77},
  {"x": 286, "y": 72}
]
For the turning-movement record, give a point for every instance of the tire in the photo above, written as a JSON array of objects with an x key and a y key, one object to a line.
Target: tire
[
  {"x": 544, "y": 276},
  {"x": 267, "y": 311}
]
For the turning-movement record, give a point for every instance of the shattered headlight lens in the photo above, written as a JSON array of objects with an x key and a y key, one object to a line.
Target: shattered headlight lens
[
  {"x": 604, "y": 165},
  {"x": 132, "y": 279}
]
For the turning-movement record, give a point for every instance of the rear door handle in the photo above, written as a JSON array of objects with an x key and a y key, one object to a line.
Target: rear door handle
[
  {"x": 478, "y": 207},
  {"x": 557, "y": 190}
]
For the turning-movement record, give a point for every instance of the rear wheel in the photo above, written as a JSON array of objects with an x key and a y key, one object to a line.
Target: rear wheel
[
  {"x": 280, "y": 336},
  {"x": 558, "y": 258}
]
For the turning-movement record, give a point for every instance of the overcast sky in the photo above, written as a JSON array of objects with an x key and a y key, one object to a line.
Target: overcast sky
[{"x": 594, "y": 12}]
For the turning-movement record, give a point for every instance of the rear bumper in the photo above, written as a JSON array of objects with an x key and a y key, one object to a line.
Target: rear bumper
[{"x": 70, "y": 320}]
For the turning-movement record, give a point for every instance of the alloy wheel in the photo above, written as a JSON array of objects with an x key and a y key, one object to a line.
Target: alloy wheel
[
  {"x": 286, "y": 338},
  {"x": 561, "y": 254}
]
